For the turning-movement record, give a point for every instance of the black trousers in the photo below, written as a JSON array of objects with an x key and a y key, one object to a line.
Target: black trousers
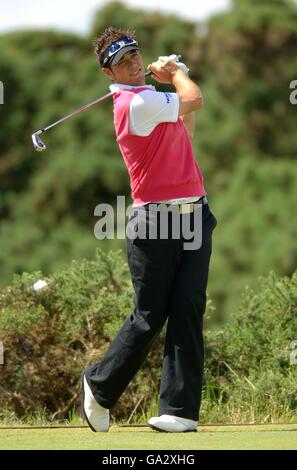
[{"x": 170, "y": 283}]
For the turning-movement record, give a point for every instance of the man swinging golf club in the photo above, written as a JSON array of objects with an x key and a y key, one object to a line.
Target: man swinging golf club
[{"x": 153, "y": 133}]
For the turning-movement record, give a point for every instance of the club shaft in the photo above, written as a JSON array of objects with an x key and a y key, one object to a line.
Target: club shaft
[
  {"x": 82, "y": 108},
  {"x": 77, "y": 111}
]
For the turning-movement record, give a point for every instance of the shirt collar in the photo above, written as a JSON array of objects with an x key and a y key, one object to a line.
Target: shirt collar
[{"x": 114, "y": 87}]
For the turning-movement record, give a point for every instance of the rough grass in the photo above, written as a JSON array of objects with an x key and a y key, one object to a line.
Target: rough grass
[{"x": 207, "y": 438}]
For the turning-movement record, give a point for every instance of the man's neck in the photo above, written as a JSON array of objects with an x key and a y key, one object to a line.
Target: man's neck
[{"x": 127, "y": 84}]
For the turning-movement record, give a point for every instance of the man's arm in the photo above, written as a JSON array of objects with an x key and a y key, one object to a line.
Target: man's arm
[
  {"x": 189, "y": 121},
  {"x": 190, "y": 96},
  {"x": 167, "y": 71}
]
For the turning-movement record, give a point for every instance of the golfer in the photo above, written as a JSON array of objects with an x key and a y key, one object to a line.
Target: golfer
[{"x": 154, "y": 131}]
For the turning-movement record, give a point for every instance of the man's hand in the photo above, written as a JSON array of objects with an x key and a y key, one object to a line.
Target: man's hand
[{"x": 164, "y": 69}]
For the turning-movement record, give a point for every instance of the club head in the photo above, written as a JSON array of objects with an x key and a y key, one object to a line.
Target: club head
[{"x": 37, "y": 142}]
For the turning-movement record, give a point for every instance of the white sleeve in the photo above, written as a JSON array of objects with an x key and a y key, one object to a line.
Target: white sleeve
[{"x": 149, "y": 108}]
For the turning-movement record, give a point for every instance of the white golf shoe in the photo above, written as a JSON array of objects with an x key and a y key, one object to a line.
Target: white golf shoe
[
  {"x": 167, "y": 423},
  {"x": 96, "y": 416}
]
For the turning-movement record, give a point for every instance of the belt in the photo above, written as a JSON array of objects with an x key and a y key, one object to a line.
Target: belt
[
  {"x": 185, "y": 208},
  {"x": 190, "y": 207}
]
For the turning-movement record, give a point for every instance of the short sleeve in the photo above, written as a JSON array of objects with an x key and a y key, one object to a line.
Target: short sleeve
[{"x": 149, "y": 108}]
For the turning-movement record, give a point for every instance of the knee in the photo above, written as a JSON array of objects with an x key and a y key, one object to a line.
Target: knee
[
  {"x": 148, "y": 323},
  {"x": 189, "y": 305}
]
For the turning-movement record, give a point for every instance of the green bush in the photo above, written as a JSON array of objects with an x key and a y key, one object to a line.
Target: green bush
[
  {"x": 248, "y": 371},
  {"x": 51, "y": 334}
]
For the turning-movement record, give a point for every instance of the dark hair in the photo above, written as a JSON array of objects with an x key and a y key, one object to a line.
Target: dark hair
[{"x": 109, "y": 35}]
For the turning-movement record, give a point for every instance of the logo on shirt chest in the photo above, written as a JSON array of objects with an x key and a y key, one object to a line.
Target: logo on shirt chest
[{"x": 168, "y": 97}]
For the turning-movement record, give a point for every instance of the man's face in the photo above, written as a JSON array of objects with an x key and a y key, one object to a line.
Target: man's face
[{"x": 129, "y": 70}]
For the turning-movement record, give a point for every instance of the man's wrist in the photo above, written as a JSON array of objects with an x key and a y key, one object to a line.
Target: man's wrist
[{"x": 178, "y": 75}]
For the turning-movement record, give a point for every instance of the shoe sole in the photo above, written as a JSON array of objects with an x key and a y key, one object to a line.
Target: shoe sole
[
  {"x": 83, "y": 403},
  {"x": 155, "y": 428}
]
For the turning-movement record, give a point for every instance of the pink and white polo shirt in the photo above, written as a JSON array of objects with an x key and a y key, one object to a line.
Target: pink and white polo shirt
[{"x": 155, "y": 146}]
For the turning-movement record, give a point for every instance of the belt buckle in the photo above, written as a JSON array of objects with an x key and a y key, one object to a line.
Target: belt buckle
[{"x": 186, "y": 208}]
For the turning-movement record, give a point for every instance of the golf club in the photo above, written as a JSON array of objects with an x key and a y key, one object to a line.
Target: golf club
[
  {"x": 40, "y": 146},
  {"x": 37, "y": 142}
]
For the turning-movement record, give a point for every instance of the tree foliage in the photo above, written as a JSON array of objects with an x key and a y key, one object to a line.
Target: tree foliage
[{"x": 245, "y": 142}]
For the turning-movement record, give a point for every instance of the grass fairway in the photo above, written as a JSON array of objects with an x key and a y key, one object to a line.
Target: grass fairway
[{"x": 221, "y": 437}]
